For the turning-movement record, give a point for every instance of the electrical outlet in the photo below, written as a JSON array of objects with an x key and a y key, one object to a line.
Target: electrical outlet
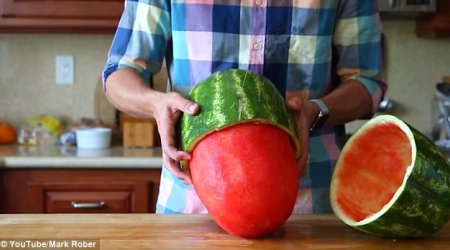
[{"x": 65, "y": 65}]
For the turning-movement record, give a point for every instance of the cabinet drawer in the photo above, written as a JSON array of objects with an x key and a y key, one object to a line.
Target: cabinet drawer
[
  {"x": 88, "y": 202},
  {"x": 53, "y": 190},
  {"x": 88, "y": 196}
]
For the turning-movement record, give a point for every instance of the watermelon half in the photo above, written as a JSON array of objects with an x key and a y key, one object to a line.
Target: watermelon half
[
  {"x": 244, "y": 149},
  {"x": 235, "y": 96},
  {"x": 390, "y": 180}
]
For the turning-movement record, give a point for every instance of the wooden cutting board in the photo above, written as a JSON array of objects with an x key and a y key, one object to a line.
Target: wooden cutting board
[
  {"x": 157, "y": 231},
  {"x": 446, "y": 79}
]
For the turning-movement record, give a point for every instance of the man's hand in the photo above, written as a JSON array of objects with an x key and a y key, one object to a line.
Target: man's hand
[
  {"x": 128, "y": 92},
  {"x": 304, "y": 113},
  {"x": 168, "y": 111}
]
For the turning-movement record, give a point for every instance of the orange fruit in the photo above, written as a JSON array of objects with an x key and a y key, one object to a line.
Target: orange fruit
[{"x": 8, "y": 133}]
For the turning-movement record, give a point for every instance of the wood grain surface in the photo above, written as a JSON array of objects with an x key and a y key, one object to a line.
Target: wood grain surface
[{"x": 156, "y": 231}]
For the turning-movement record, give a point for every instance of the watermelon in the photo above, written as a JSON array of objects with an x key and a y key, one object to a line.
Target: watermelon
[
  {"x": 244, "y": 148},
  {"x": 235, "y": 96},
  {"x": 390, "y": 180}
]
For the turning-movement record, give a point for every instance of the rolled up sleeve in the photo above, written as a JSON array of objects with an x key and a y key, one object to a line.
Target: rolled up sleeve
[
  {"x": 357, "y": 37},
  {"x": 141, "y": 38}
]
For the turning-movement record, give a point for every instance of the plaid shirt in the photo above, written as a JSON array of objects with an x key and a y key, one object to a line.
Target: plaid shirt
[{"x": 304, "y": 46}]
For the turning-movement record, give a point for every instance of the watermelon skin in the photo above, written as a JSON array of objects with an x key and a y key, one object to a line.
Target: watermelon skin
[
  {"x": 244, "y": 148},
  {"x": 250, "y": 185},
  {"x": 235, "y": 96},
  {"x": 422, "y": 206}
]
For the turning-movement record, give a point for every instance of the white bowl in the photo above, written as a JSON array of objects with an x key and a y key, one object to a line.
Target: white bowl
[{"x": 93, "y": 138}]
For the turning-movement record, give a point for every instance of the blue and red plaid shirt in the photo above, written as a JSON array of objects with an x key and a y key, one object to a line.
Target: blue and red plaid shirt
[{"x": 303, "y": 46}]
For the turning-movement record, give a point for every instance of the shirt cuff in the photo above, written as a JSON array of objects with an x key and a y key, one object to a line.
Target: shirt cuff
[
  {"x": 375, "y": 89},
  {"x": 111, "y": 67}
]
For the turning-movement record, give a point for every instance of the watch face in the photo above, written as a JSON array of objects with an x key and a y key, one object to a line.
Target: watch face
[{"x": 322, "y": 116}]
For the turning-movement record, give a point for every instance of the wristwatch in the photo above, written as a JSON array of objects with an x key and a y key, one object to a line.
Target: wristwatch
[{"x": 321, "y": 117}]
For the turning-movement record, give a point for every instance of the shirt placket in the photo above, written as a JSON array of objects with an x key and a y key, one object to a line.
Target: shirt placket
[{"x": 257, "y": 39}]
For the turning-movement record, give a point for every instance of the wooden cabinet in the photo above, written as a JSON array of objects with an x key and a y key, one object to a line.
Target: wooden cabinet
[
  {"x": 68, "y": 16},
  {"x": 79, "y": 190},
  {"x": 437, "y": 25}
]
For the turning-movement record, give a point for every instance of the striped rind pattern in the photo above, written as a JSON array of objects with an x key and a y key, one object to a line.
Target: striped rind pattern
[
  {"x": 231, "y": 97},
  {"x": 423, "y": 205}
]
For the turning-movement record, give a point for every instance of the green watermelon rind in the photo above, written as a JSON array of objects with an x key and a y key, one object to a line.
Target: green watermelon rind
[
  {"x": 232, "y": 97},
  {"x": 421, "y": 205}
]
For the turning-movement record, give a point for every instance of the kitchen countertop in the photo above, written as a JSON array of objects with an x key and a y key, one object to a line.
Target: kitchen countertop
[
  {"x": 163, "y": 231},
  {"x": 17, "y": 156}
]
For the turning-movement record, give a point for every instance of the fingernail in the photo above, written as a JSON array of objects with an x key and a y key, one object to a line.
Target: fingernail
[{"x": 192, "y": 108}]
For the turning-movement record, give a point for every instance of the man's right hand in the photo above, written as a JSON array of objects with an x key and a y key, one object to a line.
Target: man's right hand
[
  {"x": 167, "y": 111},
  {"x": 128, "y": 92}
]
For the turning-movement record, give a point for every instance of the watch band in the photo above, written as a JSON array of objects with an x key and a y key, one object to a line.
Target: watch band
[{"x": 322, "y": 116}]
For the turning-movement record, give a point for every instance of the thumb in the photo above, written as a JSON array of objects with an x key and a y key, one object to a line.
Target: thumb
[
  {"x": 191, "y": 108},
  {"x": 187, "y": 106},
  {"x": 294, "y": 103}
]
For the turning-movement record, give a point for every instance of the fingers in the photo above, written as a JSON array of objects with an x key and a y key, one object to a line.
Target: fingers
[
  {"x": 173, "y": 167},
  {"x": 184, "y": 105},
  {"x": 171, "y": 158},
  {"x": 168, "y": 131},
  {"x": 171, "y": 155},
  {"x": 167, "y": 118},
  {"x": 302, "y": 162},
  {"x": 294, "y": 103}
]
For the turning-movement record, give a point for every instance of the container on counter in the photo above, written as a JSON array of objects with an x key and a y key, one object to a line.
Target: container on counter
[{"x": 93, "y": 138}]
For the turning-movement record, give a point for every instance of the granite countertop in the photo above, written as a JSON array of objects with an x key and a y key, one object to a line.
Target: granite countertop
[{"x": 16, "y": 156}]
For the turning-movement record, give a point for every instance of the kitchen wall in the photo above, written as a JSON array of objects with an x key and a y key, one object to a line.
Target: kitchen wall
[
  {"x": 414, "y": 65},
  {"x": 27, "y": 75},
  {"x": 28, "y": 88}
]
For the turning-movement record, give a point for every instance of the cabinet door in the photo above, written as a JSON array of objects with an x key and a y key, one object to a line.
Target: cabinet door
[
  {"x": 62, "y": 190},
  {"x": 65, "y": 16}
]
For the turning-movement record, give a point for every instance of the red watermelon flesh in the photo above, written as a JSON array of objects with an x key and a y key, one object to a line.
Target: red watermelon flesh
[
  {"x": 246, "y": 176},
  {"x": 373, "y": 170}
]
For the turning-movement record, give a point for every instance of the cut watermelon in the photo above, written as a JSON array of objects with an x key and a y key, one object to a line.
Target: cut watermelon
[
  {"x": 244, "y": 149},
  {"x": 391, "y": 180}
]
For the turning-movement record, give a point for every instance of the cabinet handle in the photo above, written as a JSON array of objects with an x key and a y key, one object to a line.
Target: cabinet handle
[{"x": 88, "y": 205}]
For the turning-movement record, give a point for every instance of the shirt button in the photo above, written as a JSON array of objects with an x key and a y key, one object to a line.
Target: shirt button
[
  {"x": 257, "y": 46},
  {"x": 258, "y": 2}
]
